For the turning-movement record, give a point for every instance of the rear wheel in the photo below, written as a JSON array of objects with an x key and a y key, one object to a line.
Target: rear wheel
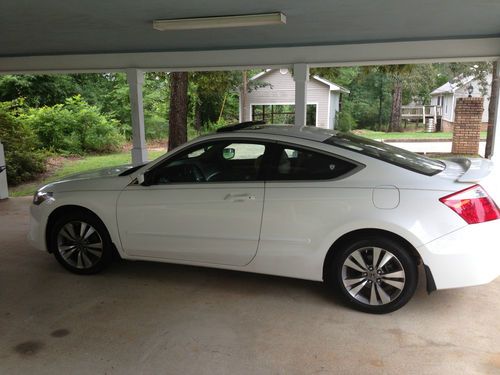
[
  {"x": 375, "y": 275},
  {"x": 81, "y": 243}
]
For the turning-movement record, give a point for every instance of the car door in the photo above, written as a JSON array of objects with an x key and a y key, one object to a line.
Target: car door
[
  {"x": 203, "y": 205},
  {"x": 306, "y": 197}
]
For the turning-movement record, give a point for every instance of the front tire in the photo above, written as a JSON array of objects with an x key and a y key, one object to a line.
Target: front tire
[
  {"x": 375, "y": 275},
  {"x": 81, "y": 243}
]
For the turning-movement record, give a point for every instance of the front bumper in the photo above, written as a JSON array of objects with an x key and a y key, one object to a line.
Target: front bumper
[
  {"x": 466, "y": 257},
  {"x": 36, "y": 232}
]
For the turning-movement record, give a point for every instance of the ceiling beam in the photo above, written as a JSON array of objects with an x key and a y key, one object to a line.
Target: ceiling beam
[{"x": 324, "y": 55}]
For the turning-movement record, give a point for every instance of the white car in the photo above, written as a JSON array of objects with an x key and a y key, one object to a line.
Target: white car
[{"x": 307, "y": 203}]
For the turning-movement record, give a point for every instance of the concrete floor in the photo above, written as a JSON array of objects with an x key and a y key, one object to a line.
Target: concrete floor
[
  {"x": 441, "y": 147},
  {"x": 147, "y": 318}
]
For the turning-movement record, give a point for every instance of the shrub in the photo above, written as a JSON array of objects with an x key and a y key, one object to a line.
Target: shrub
[
  {"x": 23, "y": 157},
  {"x": 345, "y": 122},
  {"x": 74, "y": 127},
  {"x": 156, "y": 127}
]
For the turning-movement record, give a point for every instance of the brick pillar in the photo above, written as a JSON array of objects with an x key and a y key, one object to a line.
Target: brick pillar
[{"x": 467, "y": 126}]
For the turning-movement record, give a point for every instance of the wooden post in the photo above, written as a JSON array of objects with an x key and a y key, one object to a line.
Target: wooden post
[
  {"x": 244, "y": 105},
  {"x": 496, "y": 121},
  {"x": 301, "y": 78},
  {"x": 4, "y": 191},
  {"x": 135, "y": 80}
]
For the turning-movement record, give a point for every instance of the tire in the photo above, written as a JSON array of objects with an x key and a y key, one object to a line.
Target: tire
[
  {"x": 81, "y": 243},
  {"x": 378, "y": 289}
]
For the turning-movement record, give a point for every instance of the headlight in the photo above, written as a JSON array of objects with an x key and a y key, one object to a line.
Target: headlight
[{"x": 41, "y": 196}]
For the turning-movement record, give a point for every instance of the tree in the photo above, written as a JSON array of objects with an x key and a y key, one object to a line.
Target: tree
[
  {"x": 492, "y": 108},
  {"x": 209, "y": 93},
  {"x": 245, "y": 115},
  {"x": 397, "y": 74},
  {"x": 397, "y": 103},
  {"x": 37, "y": 90},
  {"x": 177, "y": 122}
]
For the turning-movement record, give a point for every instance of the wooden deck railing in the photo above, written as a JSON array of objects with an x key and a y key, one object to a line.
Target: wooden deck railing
[{"x": 410, "y": 112}]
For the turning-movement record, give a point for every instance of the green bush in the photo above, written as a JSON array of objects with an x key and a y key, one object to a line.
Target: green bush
[
  {"x": 23, "y": 157},
  {"x": 74, "y": 127},
  {"x": 345, "y": 122},
  {"x": 156, "y": 127}
]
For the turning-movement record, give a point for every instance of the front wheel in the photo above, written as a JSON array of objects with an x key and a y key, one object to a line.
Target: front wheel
[
  {"x": 81, "y": 243},
  {"x": 375, "y": 275}
]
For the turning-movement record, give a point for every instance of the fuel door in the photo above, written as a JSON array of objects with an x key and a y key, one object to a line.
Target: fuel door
[{"x": 386, "y": 197}]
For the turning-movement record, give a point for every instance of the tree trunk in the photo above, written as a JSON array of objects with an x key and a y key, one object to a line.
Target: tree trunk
[
  {"x": 177, "y": 119},
  {"x": 491, "y": 111},
  {"x": 245, "y": 115},
  {"x": 197, "y": 117},
  {"x": 380, "y": 101},
  {"x": 397, "y": 98}
]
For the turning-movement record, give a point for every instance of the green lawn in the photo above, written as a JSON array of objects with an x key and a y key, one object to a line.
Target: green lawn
[
  {"x": 408, "y": 135},
  {"x": 71, "y": 166}
]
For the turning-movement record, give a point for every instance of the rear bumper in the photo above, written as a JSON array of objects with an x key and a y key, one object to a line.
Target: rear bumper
[{"x": 469, "y": 256}]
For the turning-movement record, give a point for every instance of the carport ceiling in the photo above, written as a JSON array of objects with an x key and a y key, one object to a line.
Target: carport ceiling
[{"x": 53, "y": 27}]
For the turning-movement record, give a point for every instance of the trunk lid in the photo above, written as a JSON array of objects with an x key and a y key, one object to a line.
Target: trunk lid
[{"x": 474, "y": 170}]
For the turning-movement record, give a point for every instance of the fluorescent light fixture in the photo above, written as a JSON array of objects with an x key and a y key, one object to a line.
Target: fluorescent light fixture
[{"x": 220, "y": 22}]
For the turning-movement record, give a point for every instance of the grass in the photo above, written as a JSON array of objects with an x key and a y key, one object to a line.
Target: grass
[
  {"x": 68, "y": 166},
  {"x": 407, "y": 135}
]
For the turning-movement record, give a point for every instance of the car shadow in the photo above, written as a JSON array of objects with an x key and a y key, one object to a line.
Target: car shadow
[{"x": 227, "y": 281}]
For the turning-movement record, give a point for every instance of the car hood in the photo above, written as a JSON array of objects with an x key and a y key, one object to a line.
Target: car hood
[
  {"x": 99, "y": 179},
  {"x": 104, "y": 172}
]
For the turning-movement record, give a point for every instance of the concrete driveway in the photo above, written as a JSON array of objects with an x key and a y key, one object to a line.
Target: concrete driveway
[
  {"x": 438, "y": 147},
  {"x": 146, "y": 318}
]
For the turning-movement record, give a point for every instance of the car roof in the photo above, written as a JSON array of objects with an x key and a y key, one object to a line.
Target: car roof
[{"x": 304, "y": 132}]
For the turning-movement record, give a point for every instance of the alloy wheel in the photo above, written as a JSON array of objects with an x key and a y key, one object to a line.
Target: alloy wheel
[
  {"x": 80, "y": 244},
  {"x": 373, "y": 276}
]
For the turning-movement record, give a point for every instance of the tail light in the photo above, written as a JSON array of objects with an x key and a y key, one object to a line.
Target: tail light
[{"x": 473, "y": 205}]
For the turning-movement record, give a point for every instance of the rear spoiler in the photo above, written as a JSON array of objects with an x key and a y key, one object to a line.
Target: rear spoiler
[{"x": 475, "y": 169}]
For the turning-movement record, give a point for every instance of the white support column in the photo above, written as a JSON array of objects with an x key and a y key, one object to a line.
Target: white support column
[
  {"x": 135, "y": 80},
  {"x": 495, "y": 146},
  {"x": 301, "y": 78},
  {"x": 4, "y": 191}
]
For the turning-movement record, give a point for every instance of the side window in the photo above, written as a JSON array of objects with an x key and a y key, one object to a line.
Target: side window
[
  {"x": 244, "y": 151},
  {"x": 220, "y": 161},
  {"x": 302, "y": 164}
]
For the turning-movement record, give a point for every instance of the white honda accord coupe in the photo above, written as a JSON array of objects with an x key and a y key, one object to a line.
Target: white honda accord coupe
[{"x": 308, "y": 203}]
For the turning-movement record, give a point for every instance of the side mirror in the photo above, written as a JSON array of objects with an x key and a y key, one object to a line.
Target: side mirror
[
  {"x": 143, "y": 179},
  {"x": 228, "y": 153}
]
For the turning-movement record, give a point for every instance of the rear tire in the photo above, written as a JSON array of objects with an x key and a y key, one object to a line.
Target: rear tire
[
  {"x": 375, "y": 275},
  {"x": 81, "y": 243}
]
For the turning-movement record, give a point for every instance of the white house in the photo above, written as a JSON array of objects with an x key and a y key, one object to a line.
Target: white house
[
  {"x": 274, "y": 101},
  {"x": 446, "y": 97}
]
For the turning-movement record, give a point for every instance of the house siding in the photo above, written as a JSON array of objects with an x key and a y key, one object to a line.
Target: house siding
[
  {"x": 450, "y": 100},
  {"x": 281, "y": 90},
  {"x": 334, "y": 107}
]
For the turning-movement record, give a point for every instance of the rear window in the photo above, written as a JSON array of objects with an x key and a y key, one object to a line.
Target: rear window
[
  {"x": 390, "y": 154},
  {"x": 301, "y": 164}
]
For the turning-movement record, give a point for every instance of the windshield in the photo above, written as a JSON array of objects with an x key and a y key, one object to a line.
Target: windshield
[
  {"x": 387, "y": 153},
  {"x": 131, "y": 170}
]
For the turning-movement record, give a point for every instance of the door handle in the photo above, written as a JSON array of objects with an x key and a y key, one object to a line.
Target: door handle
[{"x": 239, "y": 197}]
